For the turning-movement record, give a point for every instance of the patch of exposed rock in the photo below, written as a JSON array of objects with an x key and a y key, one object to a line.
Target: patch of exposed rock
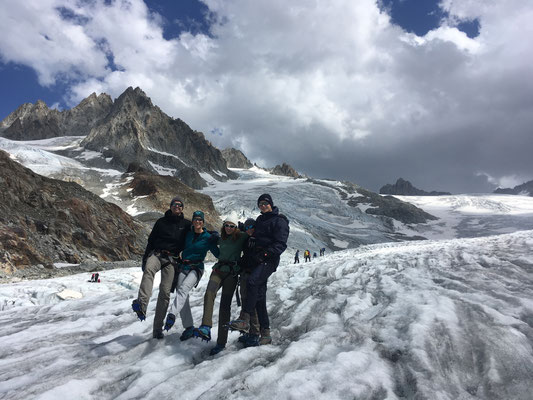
[
  {"x": 236, "y": 159},
  {"x": 285, "y": 170},
  {"x": 405, "y": 188},
  {"x": 386, "y": 206},
  {"x": 154, "y": 192},
  {"x": 45, "y": 221},
  {"x": 525, "y": 189}
]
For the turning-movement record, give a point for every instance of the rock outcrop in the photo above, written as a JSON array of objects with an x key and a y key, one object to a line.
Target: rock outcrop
[
  {"x": 525, "y": 189},
  {"x": 136, "y": 131},
  {"x": 154, "y": 192},
  {"x": 374, "y": 204},
  {"x": 37, "y": 121},
  {"x": 236, "y": 159},
  {"x": 405, "y": 188},
  {"x": 285, "y": 170},
  {"x": 43, "y": 221}
]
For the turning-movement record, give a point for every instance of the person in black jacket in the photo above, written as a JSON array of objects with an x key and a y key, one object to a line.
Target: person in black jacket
[
  {"x": 165, "y": 243},
  {"x": 271, "y": 234}
]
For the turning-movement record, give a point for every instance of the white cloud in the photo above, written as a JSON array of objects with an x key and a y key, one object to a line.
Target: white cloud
[{"x": 305, "y": 81}]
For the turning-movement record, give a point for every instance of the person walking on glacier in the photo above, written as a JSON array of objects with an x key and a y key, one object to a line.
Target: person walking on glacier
[
  {"x": 297, "y": 257},
  {"x": 165, "y": 243},
  {"x": 271, "y": 234}
]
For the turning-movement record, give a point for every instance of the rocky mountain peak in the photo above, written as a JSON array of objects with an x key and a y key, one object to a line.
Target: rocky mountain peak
[
  {"x": 403, "y": 187},
  {"x": 236, "y": 158},
  {"x": 525, "y": 189},
  {"x": 285, "y": 170}
]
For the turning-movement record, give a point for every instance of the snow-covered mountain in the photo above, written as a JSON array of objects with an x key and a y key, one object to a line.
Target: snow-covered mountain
[{"x": 415, "y": 320}]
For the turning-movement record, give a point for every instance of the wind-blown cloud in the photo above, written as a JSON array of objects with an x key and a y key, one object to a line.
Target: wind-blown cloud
[{"x": 335, "y": 89}]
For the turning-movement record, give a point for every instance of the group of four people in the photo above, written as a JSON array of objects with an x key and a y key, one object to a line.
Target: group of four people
[{"x": 177, "y": 247}]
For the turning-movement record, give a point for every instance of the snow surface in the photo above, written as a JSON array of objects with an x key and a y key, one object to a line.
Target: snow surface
[{"x": 427, "y": 320}]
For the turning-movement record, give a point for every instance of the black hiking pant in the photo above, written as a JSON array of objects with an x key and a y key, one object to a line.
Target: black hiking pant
[{"x": 256, "y": 287}]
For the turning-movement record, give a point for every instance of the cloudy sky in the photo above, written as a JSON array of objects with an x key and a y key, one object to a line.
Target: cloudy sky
[{"x": 439, "y": 93}]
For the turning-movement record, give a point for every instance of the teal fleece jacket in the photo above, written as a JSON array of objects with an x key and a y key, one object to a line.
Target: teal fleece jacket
[{"x": 196, "y": 248}]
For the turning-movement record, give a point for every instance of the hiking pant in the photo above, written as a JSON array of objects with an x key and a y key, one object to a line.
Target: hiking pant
[
  {"x": 228, "y": 282},
  {"x": 256, "y": 287},
  {"x": 254, "y": 322},
  {"x": 186, "y": 281},
  {"x": 296, "y": 260},
  {"x": 153, "y": 265}
]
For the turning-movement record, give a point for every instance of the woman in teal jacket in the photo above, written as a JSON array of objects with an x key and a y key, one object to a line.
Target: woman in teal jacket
[{"x": 197, "y": 243}]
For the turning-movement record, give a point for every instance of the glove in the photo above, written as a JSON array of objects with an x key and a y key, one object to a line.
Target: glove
[
  {"x": 251, "y": 242},
  {"x": 213, "y": 240}
]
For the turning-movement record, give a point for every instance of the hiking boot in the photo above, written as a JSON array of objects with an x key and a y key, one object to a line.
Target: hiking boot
[
  {"x": 217, "y": 349},
  {"x": 243, "y": 338},
  {"x": 252, "y": 341},
  {"x": 158, "y": 334},
  {"x": 240, "y": 325},
  {"x": 137, "y": 307},
  {"x": 187, "y": 333},
  {"x": 171, "y": 318},
  {"x": 265, "y": 337},
  {"x": 203, "y": 332}
]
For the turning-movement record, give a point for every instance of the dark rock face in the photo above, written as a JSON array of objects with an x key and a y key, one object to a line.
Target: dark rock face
[
  {"x": 44, "y": 220},
  {"x": 137, "y": 131},
  {"x": 37, "y": 121},
  {"x": 236, "y": 159},
  {"x": 285, "y": 170},
  {"x": 524, "y": 189},
  {"x": 405, "y": 188},
  {"x": 160, "y": 189}
]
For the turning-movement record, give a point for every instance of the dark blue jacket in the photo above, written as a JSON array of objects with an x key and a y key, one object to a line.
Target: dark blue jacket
[{"x": 271, "y": 233}]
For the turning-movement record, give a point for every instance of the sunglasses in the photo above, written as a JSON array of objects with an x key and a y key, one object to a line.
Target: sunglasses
[
  {"x": 177, "y": 205},
  {"x": 229, "y": 226},
  {"x": 197, "y": 220},
  {"x": 263, "y": 203},
  {"x": 249, "y": 227}
]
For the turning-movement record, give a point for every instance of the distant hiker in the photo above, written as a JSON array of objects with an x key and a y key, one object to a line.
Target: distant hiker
[
  {"x": 271, "y": 234},
  {"x": 307, "y": 255},
  {"x": 314, "y": 254},
  {"x": 297, "y": 257},
  {"x": 189, "y": 271},
  {"x": 225, "y": 275},
  {"x": 92, "y": 278},
  {"x": 97, "y": 277},
  {"x": 165, "y": 243},
  {"x": 322, "y": 251}
]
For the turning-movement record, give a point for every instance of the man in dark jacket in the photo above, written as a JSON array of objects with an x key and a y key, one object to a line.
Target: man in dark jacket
[
  {"x": 271, "y": 234},
  {"x": 165, "y": 243}
]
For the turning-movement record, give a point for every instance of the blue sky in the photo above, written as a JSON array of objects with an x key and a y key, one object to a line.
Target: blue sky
[{"x": 436, "y": 92}]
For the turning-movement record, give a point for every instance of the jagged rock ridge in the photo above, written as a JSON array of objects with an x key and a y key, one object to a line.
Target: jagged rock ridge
[
  {"x": 37, "y": 121},
  {"x": 386, "y": 206},
  {"x": 129, "y": 130},
  {"x": 236, "y": 159},
  {"x": 405, "y": 188},
  {"x": 285, "y": 170},
  {"x": 523, "y": 189},
  {"x": 44, "y": 220}
]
